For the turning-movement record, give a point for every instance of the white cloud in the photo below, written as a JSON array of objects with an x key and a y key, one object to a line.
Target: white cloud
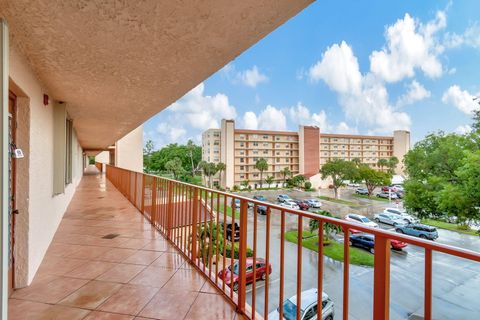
[
  {"x": 415, "y": 92},
  {"x": 470, "y": 37},
  {"x": 272, "y": 118},
  {"x": 464, "y": 129},
  {"x": 202, "y": 111},
  {"x": 250, "y": 121},
  {"x": 338, "y": 68},
  {"x": 410, "y": 45},
  {"x": 461, "y": 99},
  {"x": 251, "y": 77}
]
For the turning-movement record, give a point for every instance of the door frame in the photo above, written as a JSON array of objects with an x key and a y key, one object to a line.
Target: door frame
[{"x": 12, "y": 113}]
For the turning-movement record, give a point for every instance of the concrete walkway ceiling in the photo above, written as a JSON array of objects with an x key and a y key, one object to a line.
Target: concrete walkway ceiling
[{"x": 117, "y": 63}]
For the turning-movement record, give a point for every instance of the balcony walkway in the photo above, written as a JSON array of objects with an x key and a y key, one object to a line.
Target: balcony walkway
[{"x": 107, "y": 262}]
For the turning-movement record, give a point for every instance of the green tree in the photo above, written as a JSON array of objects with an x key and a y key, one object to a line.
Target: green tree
[
  {"x": 269, "y": 180},
  {"x": 372, "y": 178},
  {"x": 382, "y": 163},
  {"x": 175, "y": 166},
  {"x": 443, "y": 172},
  {"x": 338, "y": 170},
  {"x": 261, "y": 165},
  {"x": 221, "y": 167},
  {"x": 159, "y": 158},
  {"x": 209, "y": 170},
  {"x": 147, "y": 154},
  {"x": 285, "y": 173},
  {"x": 392, "y": 164},
  {"x": 328, "y": 228},
  {"x": 245, "y": 184}
]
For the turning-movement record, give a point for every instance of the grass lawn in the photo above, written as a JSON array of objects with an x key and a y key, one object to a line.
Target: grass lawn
[
  {"x": 334, "y": 250},
  {"x": 229, "y": 212},
  {"x": 371, "y": 198},
  {"x": 341, "y": 201},
  {"x": 449, "y": 226}
]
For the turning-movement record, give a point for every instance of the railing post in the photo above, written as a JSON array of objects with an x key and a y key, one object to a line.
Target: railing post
[
  {"x": 154, "y": 202},
  {"x": 381, "y": 279},
  {"x": 242, "y": 256},
  {"x": 143, "y": 193},
  {"x": 169, "y": 208},
  {"x": 194, "y": 225}
]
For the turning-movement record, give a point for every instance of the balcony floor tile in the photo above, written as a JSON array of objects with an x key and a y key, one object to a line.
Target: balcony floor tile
[{"x": 137, "y": 274}]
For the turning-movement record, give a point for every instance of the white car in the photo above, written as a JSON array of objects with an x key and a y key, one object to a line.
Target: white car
[
  {"x": 389, "y": 218},
  {"x": 405, "y": 216},
  {"x": 353, "y": 185},
  {"x": 357, "y": 218},
  {"x": 290, "y": 205},
  {"x": 309, "y": 303},
  {"x": 313, "y": 203}
]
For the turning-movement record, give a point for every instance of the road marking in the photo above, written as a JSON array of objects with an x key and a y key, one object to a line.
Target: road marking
[{"x": 261, "y": 285}]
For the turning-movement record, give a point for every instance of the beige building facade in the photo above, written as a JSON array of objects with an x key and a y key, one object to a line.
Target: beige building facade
[{"x": 302, "y": 152}]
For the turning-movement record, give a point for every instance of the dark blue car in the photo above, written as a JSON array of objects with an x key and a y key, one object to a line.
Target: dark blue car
[{"x": 366, "y": 241}]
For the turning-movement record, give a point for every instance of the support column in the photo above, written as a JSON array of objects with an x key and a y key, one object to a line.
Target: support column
[{"x": 4, "y": 232}]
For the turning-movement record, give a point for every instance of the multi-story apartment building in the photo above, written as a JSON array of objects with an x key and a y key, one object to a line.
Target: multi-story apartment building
[{"x": 303, "y": 152}]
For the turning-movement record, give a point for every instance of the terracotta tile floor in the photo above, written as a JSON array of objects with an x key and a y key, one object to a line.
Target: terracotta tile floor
[{"x": 135, "y": 275}]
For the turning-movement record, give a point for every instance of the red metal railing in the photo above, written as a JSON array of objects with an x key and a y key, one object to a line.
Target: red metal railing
[{"x": 189, "y": 217}]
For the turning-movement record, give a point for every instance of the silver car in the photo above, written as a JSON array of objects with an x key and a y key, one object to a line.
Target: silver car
[
  {"x": 309, "y": 307},
  {"x": 389, "y": 218},
  {"x": 405, "y": 216},
  {"x": 313, "y": 203}
]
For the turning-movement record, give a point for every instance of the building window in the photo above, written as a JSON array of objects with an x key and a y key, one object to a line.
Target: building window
[
  {"x": 265, "y": 144},
  {"x": 278, "y": 160},
  {"x": 242, "y": 144},
  {"x": 277, "y": 138},
  {"x": 242, "y": 176},
  {"x": 255, "y": 175},
  {"x": 255, "y": 151},
  {"x": 255, "y": 159},
  {"x": 287, "y": 145},
  {"x": 287, "y": 160},
  {"x": 277, "y": 146},
  {"x": 242, "y": 137},
  {"x": 265, "y": 152},
  {"x": 242, "y": 160},
  {"x": 242, "y": 167},
  {"x": 255, "y": 136},
  {"x": 255, "y": 144},
  {"x": 277, "y": 153},
  {"x": 242, "y": 152},
  {"x": 265, "y": 137}
]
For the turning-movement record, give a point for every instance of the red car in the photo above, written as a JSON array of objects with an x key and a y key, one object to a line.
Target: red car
[
  {"x": 397, "y": 245},
  {"x": 302, "y": 205},
  {"x": 227, "y": 274}
]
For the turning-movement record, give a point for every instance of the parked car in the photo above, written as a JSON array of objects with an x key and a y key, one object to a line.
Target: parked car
[
  {"x": 398, "y": 188},
  {"x": 357, "y": 218},
  {"x": 283, "y": 198},
  {"x": 313, "y": 203},
  {"x": 290, "y": 205},
  {"x": 367, "y": 241},
  {"x": 387, "y": 195},
  {"x": 362, "y": 191},
  {"x": 418, "y": 230},
  {"x": 302, "y": 204},
  {"x": 353, "y": 185},
  {"x": 236, "y": 231},
  {"x": 389, "y": 218},
  {"x": 399, "y": 195},
  {"x": 262, "y": 210},
  {"x": 309, "y": 304},
  {"x": 231, "y": 278},
  {"x": 260, "y": 198},
  {"x": 405, "y": 216},
  {"x": 237, "y": 204}
]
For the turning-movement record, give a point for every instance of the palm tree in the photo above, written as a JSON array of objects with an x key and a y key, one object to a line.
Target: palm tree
[
  {"x": 269, "y": 180},
  {"x": 245, "y": 184},
  {"x": 382, "y": 163},
  {"x": 392, "y": 164},
  {"x": 221, "y": 168},
  {"x": 285, "y": 173},
  {"x": 261, "y": 165},
  {"x": 190, "y": 148}
]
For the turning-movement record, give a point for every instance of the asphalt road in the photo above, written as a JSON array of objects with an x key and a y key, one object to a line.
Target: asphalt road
[{"x": 455, "y": 281}]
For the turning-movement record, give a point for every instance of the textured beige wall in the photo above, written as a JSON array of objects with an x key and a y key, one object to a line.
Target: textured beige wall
[
  {"x": 44, "y": 210},
  {"x": 129, "y": 151},
  {"x": 103, "y": 157},
  {"x": 227, "y": 144},
  {"x": 401, "y": 145}
]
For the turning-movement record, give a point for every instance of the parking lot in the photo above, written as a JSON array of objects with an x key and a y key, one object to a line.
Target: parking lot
[{"x": 455, "y": 294}]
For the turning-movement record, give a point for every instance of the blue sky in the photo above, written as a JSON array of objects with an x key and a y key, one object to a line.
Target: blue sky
[{"x": 366, "y": 67}]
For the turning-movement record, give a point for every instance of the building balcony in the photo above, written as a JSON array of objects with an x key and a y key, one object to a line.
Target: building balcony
[{"x": 107, "y": 261}]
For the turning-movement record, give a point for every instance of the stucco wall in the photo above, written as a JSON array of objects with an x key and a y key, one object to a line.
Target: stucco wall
[
  {"x": 44, "y": 210},
  {"x": 129, "y": 151},
  {"x": 103, "y": 157}
]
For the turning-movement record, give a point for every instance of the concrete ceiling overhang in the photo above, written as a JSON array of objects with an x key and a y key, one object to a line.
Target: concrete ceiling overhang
[{"x": 117, "y": 63}]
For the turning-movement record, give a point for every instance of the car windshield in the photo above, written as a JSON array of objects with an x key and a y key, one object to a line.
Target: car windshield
[
  {"x": 364, "y": 219},
  {"x": 290, "y": 310},
  {"x": 235, "y": 268}
]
